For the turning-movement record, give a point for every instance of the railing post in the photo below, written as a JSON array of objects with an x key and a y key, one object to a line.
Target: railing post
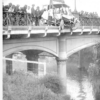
[
  {"x": 45, "y": 33},
  {"x": 59, "y": 31},
  {"x": 98, "y": 30},
  {"x": 8, "y": 32},
  {"x": 91, "y": 30},
  {"x": 29, "y": 31},
  {"x": 82, "y": 30}
]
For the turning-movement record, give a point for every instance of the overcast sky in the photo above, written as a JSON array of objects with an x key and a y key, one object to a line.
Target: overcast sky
[{"x": 85, "y": 5}]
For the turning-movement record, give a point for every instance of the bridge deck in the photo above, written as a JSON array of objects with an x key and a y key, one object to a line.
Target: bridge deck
[{"x": 17, "y": 30}]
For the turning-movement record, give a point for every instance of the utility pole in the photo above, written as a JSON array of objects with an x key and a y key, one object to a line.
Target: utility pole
[
  {"x": 75, "y": 6},
  {"x": 51, "y": 4}
]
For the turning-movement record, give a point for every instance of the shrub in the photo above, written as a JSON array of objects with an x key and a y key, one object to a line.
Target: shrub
[
  {"x": 23, "y": 86},
  {"x": 97, "y": 96},
  {"x": 53, "y": 82}
]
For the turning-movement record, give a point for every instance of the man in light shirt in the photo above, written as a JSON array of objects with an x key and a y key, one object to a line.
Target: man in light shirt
[{"x": 28, "y": 15}]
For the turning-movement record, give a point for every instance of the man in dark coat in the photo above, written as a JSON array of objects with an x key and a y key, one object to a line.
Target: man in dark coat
[
  {"x": 37, "y": 13},
  {"x": 23, "y": 9}
]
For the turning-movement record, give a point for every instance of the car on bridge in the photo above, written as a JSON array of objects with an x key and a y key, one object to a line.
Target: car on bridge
[{"x": 59, "y": 15}]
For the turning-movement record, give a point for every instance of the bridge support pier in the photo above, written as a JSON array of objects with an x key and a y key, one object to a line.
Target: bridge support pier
[
  {"x": 8, "y": 65},
  {"x": 62, "y": 70},
  {"x": 61, "y": 62}
]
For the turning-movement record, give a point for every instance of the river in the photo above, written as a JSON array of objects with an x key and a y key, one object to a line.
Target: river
[
  {"x": 78, "y": 85},
  {"x": 80, "y": 91}
]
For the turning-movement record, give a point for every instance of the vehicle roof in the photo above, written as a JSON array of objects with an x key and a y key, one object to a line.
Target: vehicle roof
[{"x": 59, "y": 5}]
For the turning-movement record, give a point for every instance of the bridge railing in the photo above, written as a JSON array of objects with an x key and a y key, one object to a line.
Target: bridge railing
[
  {"x": 16, "y": 19},
  {"x": 26, "y": 19},
  {"x": 86, "y": 21}
]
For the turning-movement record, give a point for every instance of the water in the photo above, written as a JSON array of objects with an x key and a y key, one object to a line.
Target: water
[
  {"x": 79, "y": 87},
  {"x": 79, "y": 91}
]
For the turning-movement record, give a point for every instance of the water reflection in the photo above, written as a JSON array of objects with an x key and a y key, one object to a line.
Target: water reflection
[
  {"x": 80, "y": 91},
  {"x": 78, "y": 85}
]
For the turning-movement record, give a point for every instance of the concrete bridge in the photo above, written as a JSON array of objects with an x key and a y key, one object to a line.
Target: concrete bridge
[{"x": 59, "y": 43}]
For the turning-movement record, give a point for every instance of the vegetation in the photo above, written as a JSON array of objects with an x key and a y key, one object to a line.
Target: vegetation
[
  {"x": 24, "y": 86},
  {"x": 54, "y": 83}
]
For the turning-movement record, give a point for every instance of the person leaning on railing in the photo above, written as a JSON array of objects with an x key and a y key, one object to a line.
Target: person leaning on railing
[
  {"x": 23, "y": 16},
  {"x": 14, "y": 15},
  {"x": 6, "y": 14},
  {"x": 17, "y": 15}
]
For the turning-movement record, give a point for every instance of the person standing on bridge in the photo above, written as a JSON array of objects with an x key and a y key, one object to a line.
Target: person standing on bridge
[
  {"x": 11, "y": 13},
  {"x": 37, "y": 18},
  {"x": 28, "y": 15},
  {"x": 33, "y": 14}
]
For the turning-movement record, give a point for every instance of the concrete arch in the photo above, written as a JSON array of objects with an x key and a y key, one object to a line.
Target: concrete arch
[
  {"x": 80, "y": 48},
  {"x": 27, "y": 47}
]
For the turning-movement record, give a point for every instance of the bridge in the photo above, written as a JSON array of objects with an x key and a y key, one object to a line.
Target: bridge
[{"x": 59, "y": 43}]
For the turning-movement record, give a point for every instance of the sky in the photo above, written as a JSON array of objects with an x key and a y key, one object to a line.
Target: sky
[{"x": 85, "y": 5}]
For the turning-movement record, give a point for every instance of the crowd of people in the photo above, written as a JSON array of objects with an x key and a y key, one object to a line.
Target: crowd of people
[
  {"x": 16, "y": 15},
  {"x": 26, "y": 15}
]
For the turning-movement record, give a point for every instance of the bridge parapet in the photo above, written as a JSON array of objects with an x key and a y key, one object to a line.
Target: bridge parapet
[
  {"x": 86, "y": 21},
  {"x": 49, "y": 30}
]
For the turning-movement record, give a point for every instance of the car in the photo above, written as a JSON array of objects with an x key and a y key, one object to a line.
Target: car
[{"x": 59, "y": 15}]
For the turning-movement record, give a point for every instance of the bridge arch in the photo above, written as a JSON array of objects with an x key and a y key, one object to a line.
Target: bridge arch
[
  {"x": 81, "y": 47},
  {"x": 27, "y": 47}
]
